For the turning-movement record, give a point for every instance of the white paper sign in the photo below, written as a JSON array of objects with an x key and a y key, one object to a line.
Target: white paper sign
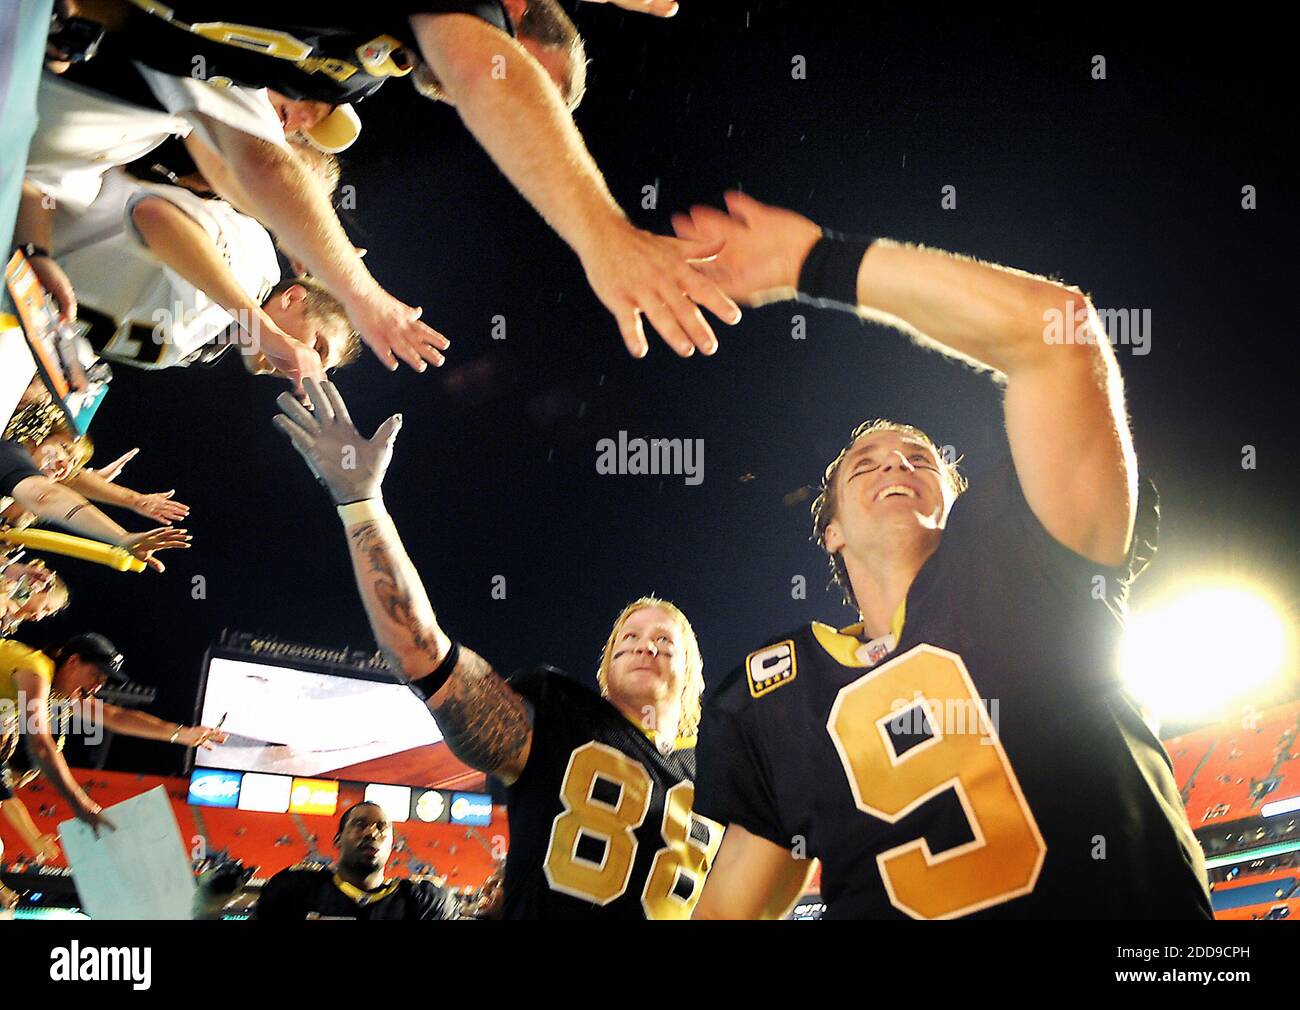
[
  {"x": 17, "y": 366},
  {"x": 140, "y": 871}
]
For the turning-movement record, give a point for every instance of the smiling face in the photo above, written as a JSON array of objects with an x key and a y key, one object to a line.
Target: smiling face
[
  {"x": 59, "y": 455},
  {"x": 366, "y": 839},
  {"x": 891, "y": 479},
  {"x": 889, "y": 491}
]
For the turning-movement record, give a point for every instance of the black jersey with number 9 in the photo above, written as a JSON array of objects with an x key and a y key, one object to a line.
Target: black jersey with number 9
[{"x": 990, "y": 764}]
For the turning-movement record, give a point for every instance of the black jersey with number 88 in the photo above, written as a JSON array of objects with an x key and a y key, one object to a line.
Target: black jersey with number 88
[{"x": 601, "y": 822}]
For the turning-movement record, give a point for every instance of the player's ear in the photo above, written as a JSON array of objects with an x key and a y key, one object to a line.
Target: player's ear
[
  {"x": 834, "y": 538},
  {"x": 292, "y": 296}
]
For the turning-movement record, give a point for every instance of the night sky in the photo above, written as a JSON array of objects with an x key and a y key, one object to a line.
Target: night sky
[{"x": 1130, "y": 187}]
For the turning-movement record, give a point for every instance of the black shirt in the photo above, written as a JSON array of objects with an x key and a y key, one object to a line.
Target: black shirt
[
  {"x": 600, "y": 821},
  {"x": 319, "y": 894},
  {"x": 1067, "y": 808},
  {"x": 281, "y": 45},
  {"x": 15, "y": 467}
]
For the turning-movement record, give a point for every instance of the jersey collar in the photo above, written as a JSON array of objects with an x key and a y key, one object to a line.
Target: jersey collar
[
  {"x": 679, "y": 743},
  {"x": 363, "y": 898},
  {"x": 849, "y": 647}
]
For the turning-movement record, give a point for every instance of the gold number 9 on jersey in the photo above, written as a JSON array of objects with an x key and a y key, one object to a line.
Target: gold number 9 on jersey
[
  {"x": 963, "y": 754},
  {"x": 676, "y": 875}
]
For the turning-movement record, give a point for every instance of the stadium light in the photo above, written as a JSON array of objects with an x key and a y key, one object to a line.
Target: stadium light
[{"x": 1199, "y": 652}]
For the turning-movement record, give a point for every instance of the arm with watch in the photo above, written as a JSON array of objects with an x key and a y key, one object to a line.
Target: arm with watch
[
  {"x": 33, "y": 235},
  {"x": 130, "y": 722},
  {"x": 484, "y": 721}
]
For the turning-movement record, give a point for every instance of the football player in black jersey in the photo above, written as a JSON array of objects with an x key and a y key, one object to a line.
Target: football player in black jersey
[
  {"x": 600, "y": 789},
  {"x": 356, "y": 889},
  {"x": 966, "y": 748}
]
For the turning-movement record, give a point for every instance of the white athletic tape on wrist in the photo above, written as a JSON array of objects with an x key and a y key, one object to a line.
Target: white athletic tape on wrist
[{"x": 366, "y": 510}]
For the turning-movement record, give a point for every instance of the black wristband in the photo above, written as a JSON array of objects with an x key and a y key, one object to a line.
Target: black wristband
[
  {"x": 829, "y": 276},
  {"x": 428, "y": 685},
  {"x": 31, "y": 249}
]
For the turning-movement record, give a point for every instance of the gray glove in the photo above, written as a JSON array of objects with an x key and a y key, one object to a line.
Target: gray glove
[{"x": 351, "y": 467}]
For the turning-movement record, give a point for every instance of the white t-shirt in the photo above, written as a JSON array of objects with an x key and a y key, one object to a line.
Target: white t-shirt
[
  {"x": 158, "y": 319},
  {"x": 83, "y": 133}
]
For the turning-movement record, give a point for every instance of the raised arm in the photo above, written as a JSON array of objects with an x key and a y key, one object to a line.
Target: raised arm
[
  {"x": 272, "y": 185},
  {"x": 130, "y": 722},
  {"x": 161, "y": 505},
  {"x": 486, "y": 723},
  {"x": 1064, "y": 402},
  {"x": 50, "y": 500},
  {"x": 515, "y": 111},
  {"x": 181, "y": 243}
]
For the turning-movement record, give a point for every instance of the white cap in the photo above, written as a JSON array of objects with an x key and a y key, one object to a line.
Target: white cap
[{"x": 336, "y": 132}]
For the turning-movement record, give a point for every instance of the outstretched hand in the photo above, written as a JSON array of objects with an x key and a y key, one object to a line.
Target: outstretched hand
[
  {"x": 143, "y": 545},
  {"x": 291, "y": 357},
  {"x": 659, "y": 8},
  {"x": 350, "y": 466},
  {"x": 763, "y": 247},
  {"x": 206, "y": 737},
  {"x": 110, "y": 472},
  {"x": 91, "y": 814},
  {"x": 634, "y": 272},
  {"x": 162, "y": 506},
  {"x": 392, "y": 329}
]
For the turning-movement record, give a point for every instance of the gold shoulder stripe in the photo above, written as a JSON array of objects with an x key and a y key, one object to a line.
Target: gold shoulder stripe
[{"x": 771, "y": 667}]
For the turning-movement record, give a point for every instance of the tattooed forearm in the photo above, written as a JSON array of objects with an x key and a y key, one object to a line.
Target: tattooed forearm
[
  {"x": 486, "y": 724},
  {"x": 400, "y": 613}
]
